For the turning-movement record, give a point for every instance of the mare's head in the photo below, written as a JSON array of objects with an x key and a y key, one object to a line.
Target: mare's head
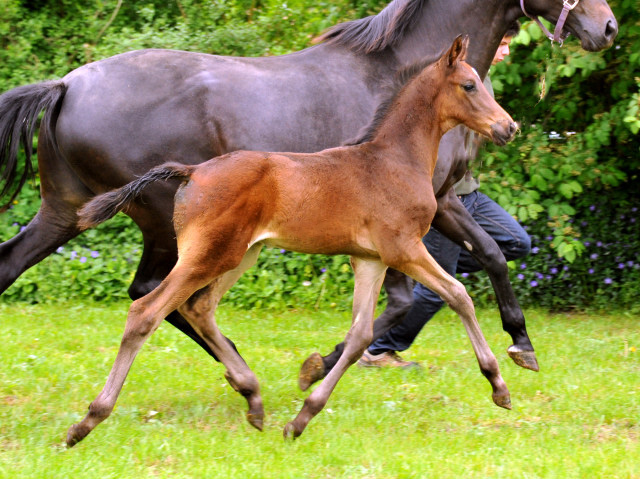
[
  {"x": 462, "y": 97},
  {"x": 592, "y": 21}
]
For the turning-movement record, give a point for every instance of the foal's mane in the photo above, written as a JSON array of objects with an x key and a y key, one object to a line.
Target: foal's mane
[
  {"x": 401, "y": 79},
  {"x": 376, "y": 32}
]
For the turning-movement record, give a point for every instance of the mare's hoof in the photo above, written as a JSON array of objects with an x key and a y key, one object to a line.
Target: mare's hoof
[
  {"x": 256, "y": 419},
  {"x": 312, "y": 370},
  {"x": 290, "y": 432},
  {"x": 502, "y": 400},
  {"x": 76, "y": 433},
  {"x": 524, "y": 359}
]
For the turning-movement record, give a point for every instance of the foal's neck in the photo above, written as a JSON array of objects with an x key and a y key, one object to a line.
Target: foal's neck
[{"x": 413, "y": 126}]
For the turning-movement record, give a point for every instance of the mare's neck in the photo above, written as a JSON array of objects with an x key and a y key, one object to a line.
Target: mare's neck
[{"x": 441, "y": 21}]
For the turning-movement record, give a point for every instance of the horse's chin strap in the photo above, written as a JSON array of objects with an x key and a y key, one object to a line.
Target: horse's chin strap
[{"x": 558, "y": 35}]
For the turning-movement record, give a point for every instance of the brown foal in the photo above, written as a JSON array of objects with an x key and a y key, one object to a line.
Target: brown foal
[{"x": 373, "y": 201}]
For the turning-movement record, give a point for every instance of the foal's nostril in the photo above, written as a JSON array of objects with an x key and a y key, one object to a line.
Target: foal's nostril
[{"x": 512, "y": 128}]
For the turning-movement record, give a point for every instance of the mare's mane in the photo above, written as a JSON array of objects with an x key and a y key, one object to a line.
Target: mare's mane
[
  {"x": 400, "y": 80},
  {"x": 376, "y": 32}
]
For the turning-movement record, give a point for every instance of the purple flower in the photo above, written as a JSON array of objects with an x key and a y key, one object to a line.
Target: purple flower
[
  {"x": 587, "y": 243},
  {"x": 549, "y": 238},
  {"x": 594, "y": 256},
  {"x": 323, "y": 270},
  {"x": 15, "y": 224},
  {"x": 83, "y": 259},
  {"x": 621, "y": 265},
  {"x": 60, "y": 249},
  {"x": 591, "y": 271},
  {"x": 583, "y": 224},
  {"x": 592, "y": 207},
  {"x": 95, "y": 254},
  {"x": 553, "y": 271},
  {"x": 520, "y": 276},
  {"x": 608, "y": 281},
  {"x": 629, "y": 264},
  {"x": 539, "y": 275},
  {"x": 565, "y": 268},
  {"x": 523, "y": 266},
  {"x": 535, "y": 250},
  {"x": 283, "y": 251},
  {"x": 599, "y": 244},
  {"x": 22, "y": 228},
  {"x": 465, "y": 275},
  {"x": 73, "y": 255},
  {"x": 533, "y": 283}
]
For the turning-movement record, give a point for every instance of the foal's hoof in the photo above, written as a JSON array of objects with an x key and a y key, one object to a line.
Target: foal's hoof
[
  {"x": 312, "y": 370},
  {"x": 256, "y": 419},
  {"x": 76, "y": 433},
  {"x": 502, "y": 400},
  {"x": 524, "y": 359},
  {"x": 290, "y": 432}
]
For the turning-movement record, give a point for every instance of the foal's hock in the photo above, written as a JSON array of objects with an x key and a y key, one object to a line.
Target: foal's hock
[{"x": 373, "y": 201}]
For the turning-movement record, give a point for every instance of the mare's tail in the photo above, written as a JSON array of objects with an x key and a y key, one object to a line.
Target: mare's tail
[
  {"x": 19, "y": 110},
  {"x": 106, "y": 205}
]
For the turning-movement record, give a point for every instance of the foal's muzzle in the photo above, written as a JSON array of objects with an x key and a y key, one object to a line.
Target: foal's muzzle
[{"x": 503, "y": 132}]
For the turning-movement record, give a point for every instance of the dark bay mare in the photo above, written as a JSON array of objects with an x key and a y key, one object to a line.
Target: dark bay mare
[
  {"x": 110, "y": 121},
  {"x": 373, "y": 201}
]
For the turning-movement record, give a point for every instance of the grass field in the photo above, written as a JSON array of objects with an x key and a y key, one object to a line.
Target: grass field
[{"x": 177, "y": 417}]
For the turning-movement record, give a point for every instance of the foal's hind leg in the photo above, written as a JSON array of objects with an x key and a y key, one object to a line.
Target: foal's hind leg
[
  {"x": 421, "y": 266},
  {"x": 199, "y": 310},
  {"x": 368, "y": 280},
  {"x": 145, "y": 315}
]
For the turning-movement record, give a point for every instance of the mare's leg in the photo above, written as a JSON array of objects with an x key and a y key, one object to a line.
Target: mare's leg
[
  {"x": 454, "y": 221},
  {"x": 54, "y": 224},
  {"x": 399, "y": 288},
  {"x": 421, "y": 266},
  {"x": 369, "y": 275},
  {"x": 199, "y": 310}
]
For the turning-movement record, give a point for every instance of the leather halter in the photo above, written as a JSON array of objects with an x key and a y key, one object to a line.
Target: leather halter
[{"x": 558, "y": 35}]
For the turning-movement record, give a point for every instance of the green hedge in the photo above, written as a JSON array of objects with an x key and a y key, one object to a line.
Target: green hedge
[{"x": 578, "y": 148}]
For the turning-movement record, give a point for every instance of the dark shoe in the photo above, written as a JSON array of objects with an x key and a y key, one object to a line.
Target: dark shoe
[{"x": 389, "y": 359}]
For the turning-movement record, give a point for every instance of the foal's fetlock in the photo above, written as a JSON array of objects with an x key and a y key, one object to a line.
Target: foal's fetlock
[
  {"x": 77, "y": 433},
  {"x": 502, "y": 400},
  {"x": 524, "y": 359}
]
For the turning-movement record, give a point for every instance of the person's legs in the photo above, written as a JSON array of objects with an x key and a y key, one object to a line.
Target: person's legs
[
  {"x": 425, "y": 302},
  {"x": 512, "y": 239}
]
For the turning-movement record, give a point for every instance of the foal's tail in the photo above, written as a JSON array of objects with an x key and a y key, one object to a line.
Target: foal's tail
[
  {"x": 19, "y": 110},
  {"x": 106, "y": 205}
]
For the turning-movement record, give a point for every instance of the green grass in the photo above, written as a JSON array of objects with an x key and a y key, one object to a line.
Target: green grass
[{"x": 579, "y": 417}]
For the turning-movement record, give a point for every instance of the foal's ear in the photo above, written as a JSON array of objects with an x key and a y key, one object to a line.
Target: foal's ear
[{"x": 458, "y": 50}]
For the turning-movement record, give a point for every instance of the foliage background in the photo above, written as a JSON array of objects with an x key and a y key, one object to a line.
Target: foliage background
[{"x": 571, "y": 176}]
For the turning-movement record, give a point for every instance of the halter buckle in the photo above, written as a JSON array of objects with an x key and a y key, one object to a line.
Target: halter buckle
[{"x": 566, "y": 4}]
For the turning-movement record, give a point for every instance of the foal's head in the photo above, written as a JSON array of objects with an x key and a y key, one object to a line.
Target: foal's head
[{"x": 463, "y": 98}]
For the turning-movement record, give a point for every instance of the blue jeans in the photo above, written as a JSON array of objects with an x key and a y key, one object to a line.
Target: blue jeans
[{"x": 507, "y": 233}]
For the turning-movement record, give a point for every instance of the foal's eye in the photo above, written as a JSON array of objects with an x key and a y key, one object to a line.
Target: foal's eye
[{"x": 468, "y": 87}]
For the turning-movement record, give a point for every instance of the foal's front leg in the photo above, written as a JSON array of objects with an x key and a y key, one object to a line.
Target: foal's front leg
[
  {"x": 421, "y": 266},
  {"x": 369, "y": 275}
]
